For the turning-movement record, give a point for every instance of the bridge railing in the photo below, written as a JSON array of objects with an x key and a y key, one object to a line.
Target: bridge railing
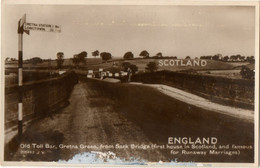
[{"x": 40, "y": 98}]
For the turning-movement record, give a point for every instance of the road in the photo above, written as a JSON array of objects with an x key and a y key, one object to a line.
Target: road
[
  {"x": 90, "y": 120},
  {"x": 103, "y": 113},
  {"x": 198, "y": 101}
]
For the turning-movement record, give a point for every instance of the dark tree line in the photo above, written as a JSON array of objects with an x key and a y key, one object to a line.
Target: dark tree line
[
  {"x": 219, "y": 57},
  {"x": 145, "y": 54}
]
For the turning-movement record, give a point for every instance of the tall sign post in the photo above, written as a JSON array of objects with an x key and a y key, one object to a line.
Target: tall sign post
[
  {"x": 26, "y": 27},
  {"x": 20, "y": 74}
]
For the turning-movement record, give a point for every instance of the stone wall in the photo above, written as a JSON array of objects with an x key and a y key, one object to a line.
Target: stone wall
[
  {"x": 233, "y": 92},
  {"x": 39, "y": 98}
]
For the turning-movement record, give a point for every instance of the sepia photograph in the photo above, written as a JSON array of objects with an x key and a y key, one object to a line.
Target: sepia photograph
[{"x": 130, "y": 84}]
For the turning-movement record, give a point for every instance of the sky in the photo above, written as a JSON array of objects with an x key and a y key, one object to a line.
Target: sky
[{"x": 173, "y": 30}]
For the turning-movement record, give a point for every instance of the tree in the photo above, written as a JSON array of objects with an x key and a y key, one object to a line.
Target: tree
[
  {"x": 75, "y": 60},
  {"x": 13, "y": 59},
  {"x": 206, "y": 57},
  {"x": 79, "y": 58},
  {"x": 250, "y": 59},
  {"x": 225, "y": 58},
  {"x": 247, "y": 73},
  {"x": 105, "y": 56},
  {"x": 215, "y": 57},
  {"x": 159, "y": 54},
  {"x": 233, "y": 57},
  {"x": 151, "y": 66},
  {"x": 36, "y": 60},
  {"x": 144, "y": 54},
  {"x": 134, "y": 68},
  {"x": 60, "y": 59},
  {"x": 188, "y": 57},
  {"x": 128, "y": 55},
  {"x": 95, "y": 53},
  {"x": 125, "y": 65}
]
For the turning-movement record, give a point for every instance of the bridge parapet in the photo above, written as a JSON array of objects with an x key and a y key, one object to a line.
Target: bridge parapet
[{"x": 41, "y": 98}]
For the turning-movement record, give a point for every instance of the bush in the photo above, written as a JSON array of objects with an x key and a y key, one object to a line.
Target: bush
[
  {"x": 247, "y": 73},
  {"x": 151, "y": 66}
]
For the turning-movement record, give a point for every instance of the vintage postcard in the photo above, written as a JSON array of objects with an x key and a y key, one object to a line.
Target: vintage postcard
[{"x": 130, "y": 83}]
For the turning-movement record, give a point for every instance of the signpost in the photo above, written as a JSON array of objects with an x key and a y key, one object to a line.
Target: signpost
[
  {"x": 42, "y": 27},
  {"x": 20, "y": 75},
  {"x": 26, "y": 27}
]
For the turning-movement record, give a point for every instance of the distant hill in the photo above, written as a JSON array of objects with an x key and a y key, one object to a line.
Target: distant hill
[
  {"x": 141, "y": 64},
  {"x": 96, "y": 63}
]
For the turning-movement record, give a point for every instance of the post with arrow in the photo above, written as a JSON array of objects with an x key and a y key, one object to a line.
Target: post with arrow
[
  {"x": 20, "y": 74},
  {"x": 23, "y": 26}
]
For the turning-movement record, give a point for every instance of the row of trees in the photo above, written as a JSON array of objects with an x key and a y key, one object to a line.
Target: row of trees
[
  {"x": 238, "y": 57},
  {"x": 10, "y": 59},
  {"x": 144, "y": 54},
  {"x": 104, "y": 55},
  {"x": 77, "y": 58},
  {"x": 81, "y": 57},
  {"x": 151, "y": 67}
]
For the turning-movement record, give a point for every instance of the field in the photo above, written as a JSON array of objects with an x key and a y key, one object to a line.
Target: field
[
  {"x": 213, "y": 68},
  {"x": 95, "y": 63}
]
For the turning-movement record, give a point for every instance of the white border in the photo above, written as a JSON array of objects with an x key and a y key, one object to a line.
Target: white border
[{"x": 137, "y": 2}]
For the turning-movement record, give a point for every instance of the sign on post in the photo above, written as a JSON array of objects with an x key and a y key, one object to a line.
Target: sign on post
[
  {"x": 42, "y": 27},
  {"x": 24, "y": 27}
]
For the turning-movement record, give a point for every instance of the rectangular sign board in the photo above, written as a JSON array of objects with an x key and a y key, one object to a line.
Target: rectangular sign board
[{"x": 42, "y": 27}]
